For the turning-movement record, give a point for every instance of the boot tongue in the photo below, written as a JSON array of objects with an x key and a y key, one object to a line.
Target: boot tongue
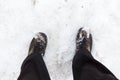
[
  {"x": 36, "y": 49},
  {"x": 39, "y": 48}
]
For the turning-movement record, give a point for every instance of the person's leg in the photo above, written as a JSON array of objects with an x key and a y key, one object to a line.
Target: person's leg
[
  {"x": 85, "y": 67},
  {"x": 33, "y": 67}
]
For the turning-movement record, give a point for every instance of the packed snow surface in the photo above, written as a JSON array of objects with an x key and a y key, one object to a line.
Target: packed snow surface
[{"x": 20, "y": 20}]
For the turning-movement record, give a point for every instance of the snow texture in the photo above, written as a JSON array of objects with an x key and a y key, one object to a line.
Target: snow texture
[{"x": 60, "y": 20}]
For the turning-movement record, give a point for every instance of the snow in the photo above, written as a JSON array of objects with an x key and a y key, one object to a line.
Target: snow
[{"x": 60, "y": 20}]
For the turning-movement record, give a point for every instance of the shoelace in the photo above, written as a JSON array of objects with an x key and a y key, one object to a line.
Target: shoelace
[{"x": 40, "y": 47}]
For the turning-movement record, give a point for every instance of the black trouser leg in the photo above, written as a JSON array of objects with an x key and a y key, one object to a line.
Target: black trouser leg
[
  {"x": 85, "y": 67},
  {"x": 34, "y": 68}
]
